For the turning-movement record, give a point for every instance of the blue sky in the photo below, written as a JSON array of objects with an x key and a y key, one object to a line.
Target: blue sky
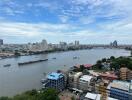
[{"x": 89, "y": 21}]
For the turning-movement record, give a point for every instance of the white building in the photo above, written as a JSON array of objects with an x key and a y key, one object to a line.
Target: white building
[
  {"x": 85, "y": 83},
  {"x": 74, "y": 79},
  {"x": 42, "y": 46}
]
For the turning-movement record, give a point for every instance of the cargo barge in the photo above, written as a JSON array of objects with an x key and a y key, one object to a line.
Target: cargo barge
[{"x": 30, "y": 62}]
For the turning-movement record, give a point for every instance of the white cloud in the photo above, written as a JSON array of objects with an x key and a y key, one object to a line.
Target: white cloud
[
  {"x": 27, "y": 29},
  {"x": 111, "y": 19}
]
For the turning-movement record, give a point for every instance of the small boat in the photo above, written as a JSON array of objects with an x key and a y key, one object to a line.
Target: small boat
[
  {"x": 75, "y": 57},
  {"x": 7, "y": 65},
  {"x": 54, "y": 58}
]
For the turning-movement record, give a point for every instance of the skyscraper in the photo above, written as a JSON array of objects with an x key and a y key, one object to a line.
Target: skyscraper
[
  {"x": 115, "y": 43},
  {"x": 43, "y": 45},
  {"x": 76, "y": 43},
  {"x": 1, "y": 42}
]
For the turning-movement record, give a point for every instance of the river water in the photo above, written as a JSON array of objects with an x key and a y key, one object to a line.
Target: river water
[{"x": 17, "y": 79}]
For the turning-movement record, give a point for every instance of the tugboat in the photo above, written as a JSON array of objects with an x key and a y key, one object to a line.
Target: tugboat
[{"x": 7, "y": 65}]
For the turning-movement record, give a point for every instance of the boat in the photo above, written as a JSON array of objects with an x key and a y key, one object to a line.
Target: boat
[
  {"x": 75, "y": 57},
  {"x": 54, "y": 58},
  {"x": 7, "y": 65},
  {"x": 30, "y": 62}
]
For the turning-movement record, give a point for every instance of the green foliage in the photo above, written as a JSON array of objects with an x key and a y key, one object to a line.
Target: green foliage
[
  {"x": 99, "y": 64},
  {"x": 115, "y": 63},
  {"x": 104, "y": 60},
  {"x": 124, "y": 62},
  {"x": 5, "y": 98},
  {"x": 112, "y": 58},
  {"x": 48, "y": 94}
]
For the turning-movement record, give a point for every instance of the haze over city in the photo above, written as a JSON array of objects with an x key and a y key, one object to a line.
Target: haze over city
[{"x": 89, "y": 21}]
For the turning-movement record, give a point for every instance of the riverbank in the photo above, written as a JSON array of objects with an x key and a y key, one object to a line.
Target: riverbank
[{"x": 51, "y": 51}]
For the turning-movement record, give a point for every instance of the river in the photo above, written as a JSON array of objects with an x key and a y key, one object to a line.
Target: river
[{"x": 17, "y": 79}]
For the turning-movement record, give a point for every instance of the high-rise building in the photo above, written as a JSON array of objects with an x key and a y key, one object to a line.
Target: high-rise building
[
  {"x": 76, "y": 43},
  {"x": 43, "y": 45},
  {"x": 1, "y": 42},
  {"x": 114, "y": 44},
  {"x": 63, "y": 45}
]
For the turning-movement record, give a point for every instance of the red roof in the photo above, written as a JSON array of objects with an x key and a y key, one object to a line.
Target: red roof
[
  {"x": 109, "y": 75},
  {"x": 87, "y": 65}
]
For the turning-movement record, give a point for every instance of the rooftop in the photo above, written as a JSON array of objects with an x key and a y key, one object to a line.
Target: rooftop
[
  {"x": 86, "y": 78},
  {"x": 91, "y": 96},
  {"x": 109, "y": 75},
  {"x": 120, "y": 85},
  {"x": 87, "y": 65},
  {"x": 54, "y": 75}
]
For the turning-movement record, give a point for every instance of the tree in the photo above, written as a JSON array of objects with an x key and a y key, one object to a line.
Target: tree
[
  {"x": 49, "y": 94},
  {"x": 82, "y": 68},
  {"x": 99, "y": 64},
  {"x": 112, "y": 58},
  {"x": 104, "y": 60},
  {"x": 114, "y": 65},
  {"x": 4, "y": 98}
]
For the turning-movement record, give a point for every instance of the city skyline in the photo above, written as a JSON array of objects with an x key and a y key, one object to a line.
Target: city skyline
[{"x": 89, "y": 21}]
